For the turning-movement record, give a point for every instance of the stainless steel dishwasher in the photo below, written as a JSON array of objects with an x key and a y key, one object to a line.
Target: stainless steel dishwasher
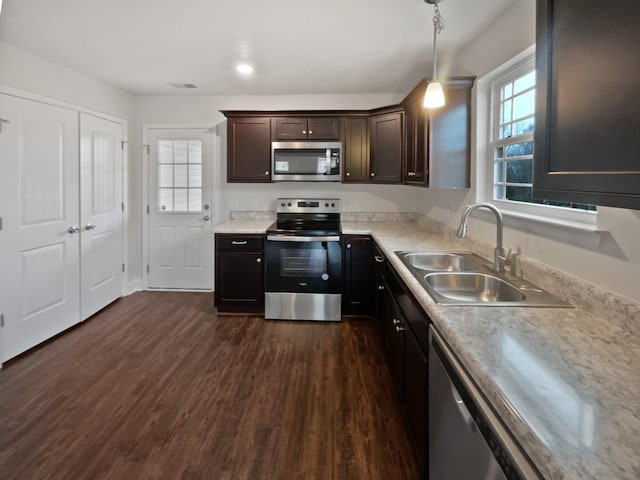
[{"x": 467, "y": 441}]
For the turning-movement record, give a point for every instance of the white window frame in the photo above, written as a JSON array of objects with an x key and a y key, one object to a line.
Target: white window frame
[{"x": 489, "y": 92}]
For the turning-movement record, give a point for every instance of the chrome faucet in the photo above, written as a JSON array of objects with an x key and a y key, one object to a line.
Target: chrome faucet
[{"x": 499, "y": 259}]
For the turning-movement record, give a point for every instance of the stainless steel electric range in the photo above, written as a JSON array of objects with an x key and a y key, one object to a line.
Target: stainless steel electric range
[{"x": 303, "y": 279}]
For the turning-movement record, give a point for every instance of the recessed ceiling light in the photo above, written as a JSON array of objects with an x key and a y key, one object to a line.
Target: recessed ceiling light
[{"x": 244, "y": 68}]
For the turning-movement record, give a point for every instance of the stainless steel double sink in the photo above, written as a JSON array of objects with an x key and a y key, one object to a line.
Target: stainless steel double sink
[{"x": 464, "y": 278}]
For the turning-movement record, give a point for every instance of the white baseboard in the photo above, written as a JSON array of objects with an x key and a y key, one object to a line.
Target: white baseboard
[{"x": 134, "y": 286}]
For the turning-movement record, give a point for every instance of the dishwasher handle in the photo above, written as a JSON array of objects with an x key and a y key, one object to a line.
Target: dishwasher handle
[{"x": 464, "y": 411}]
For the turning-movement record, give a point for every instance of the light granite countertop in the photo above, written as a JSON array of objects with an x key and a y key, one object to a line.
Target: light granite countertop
[{"x": 566, "y": 382}]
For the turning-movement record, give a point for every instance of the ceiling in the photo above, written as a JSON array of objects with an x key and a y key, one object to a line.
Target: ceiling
[{"x": 296, "y": 46}]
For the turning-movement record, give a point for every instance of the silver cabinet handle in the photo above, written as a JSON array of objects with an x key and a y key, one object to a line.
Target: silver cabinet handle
[
  {"x": 236, "y": 242},
  {"x": 380, "y": 287},
  {"x": 400, "y": 329},
  {"x": 259, "y": 260},
  {"x": 396, "y": 321},
  {"x": 206, "y": 218},
  {"x": 89, "y": 226},
  {"x": 348, "y": 245},
  {"x": 310, "y": 132},
  {"x": 73, "y": 229},
  {"x": 379, "y": 259},
  {"x": 373, "y": 174},
  {"x": 348, "y": 174},
  {"x": 304, "y": 132},
  {"x": 266, "y": 173}
]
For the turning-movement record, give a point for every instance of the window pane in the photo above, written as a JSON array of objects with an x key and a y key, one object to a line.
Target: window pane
[
  {"x": 506, "y": 131},
  {"x": 524, "y": 82},
  {"x": 507, "y": 90},
  {"x": 195, "y": 176},
  {"x": 506, "y": 111},
  {"x": 180, "y": 199},
  {"x": 180, "y": 151},
  {"x": 523, "y": 126},
  {"x": 166, "y": 176},
  {"x": 519, "y": 171},
  {"x": 180, "y": 178},
  {"x": 500, "y": 152},
  {"x": 498, "y": 192},
  {"x": 499, "y": 172},
  {"x": 165, "y": 151},
  {"x": 195, "y": 200},
  {"x": 519, "y": 194},
  {"x": 524, "y": 105},
  {"x": 519, "y": 149},
  {"x": 165, "y": 199},
  {"x": 195, "y": 151}
]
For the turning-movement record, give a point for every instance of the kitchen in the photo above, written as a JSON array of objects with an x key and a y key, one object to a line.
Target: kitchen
[{"x": 610, "y": 247}]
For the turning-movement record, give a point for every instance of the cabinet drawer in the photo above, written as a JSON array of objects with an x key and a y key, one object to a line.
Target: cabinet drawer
[{"x": 239, "y": 242}]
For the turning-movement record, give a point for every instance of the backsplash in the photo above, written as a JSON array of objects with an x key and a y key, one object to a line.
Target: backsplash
[
  {"x": 618, "y": 310},
  {"x": 252, "y": 215},
  {"x": 345, "y": 216}
]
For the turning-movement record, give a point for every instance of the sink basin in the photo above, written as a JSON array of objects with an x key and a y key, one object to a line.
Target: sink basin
[
  {"x": 466, "y": 279},
  {"x": 473, "y": 288},
  {"x": 445, "y": 262}
]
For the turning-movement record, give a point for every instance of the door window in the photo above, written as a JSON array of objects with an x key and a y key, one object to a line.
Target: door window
[{"x": 179, "y": 176}]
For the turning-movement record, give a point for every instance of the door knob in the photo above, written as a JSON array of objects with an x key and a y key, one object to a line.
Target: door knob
[
  {"x": 206, "y": 218},
  {"x": 73, "y": 229},
  {"x": 89, "y": 226}
]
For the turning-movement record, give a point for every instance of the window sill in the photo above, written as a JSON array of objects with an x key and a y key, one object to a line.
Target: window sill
[{"x": 525, "y": 219}]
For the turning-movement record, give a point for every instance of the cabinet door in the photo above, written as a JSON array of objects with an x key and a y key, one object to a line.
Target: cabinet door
[
  {"x": 289, "y": 128},
  {"x": 239, "y": 282},
  {"x": 356, "y": 150},
  {"x": 386, "y": 148},
  {"x": 395, "y": 336},
  {"x": 415, "y": 393},
  {"x": 416, "y": 159},
  {"x": 248, "y": 149},
  {"x": 323, "y": 128},
  {"x": 587, "y": 102},
  {"x": 358, "y": 275}
]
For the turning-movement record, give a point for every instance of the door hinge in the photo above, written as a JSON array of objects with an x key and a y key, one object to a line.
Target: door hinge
[
  {"x": 148, "y": 268},
  {"x": 0, "y": 223},
  {"x": 122, "y": 144},
  {"x": 123, "y": 268},
  {"x": 148, "y": 148},
  {"x": 1, "y": 320},
  {"x": 122, "y": 205},
  {"x": 148, "y": 210}
]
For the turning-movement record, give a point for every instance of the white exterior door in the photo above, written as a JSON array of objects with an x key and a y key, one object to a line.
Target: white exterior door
[
  {"x": 101, "y": 215},
  {"x": 40, "y": 236},
  {"x": 179, "y": 213}
]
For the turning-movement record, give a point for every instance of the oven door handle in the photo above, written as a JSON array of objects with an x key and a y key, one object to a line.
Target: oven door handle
[{"x": 296, "y": 238}]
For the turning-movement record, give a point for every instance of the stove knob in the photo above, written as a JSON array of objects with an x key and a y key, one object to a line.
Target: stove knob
[
  {"x": 326, "y": 204},
  {"x": 282, "y": 204},
  {"x": 289, "y": 204},
  {"x": 333, "y": 204}
]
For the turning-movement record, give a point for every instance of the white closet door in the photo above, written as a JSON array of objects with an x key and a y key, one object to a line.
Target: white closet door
[
  {"x": 101, "y": 213},
  {"x": 39, "y": 205},
  {"x": 180, "y": 186}
]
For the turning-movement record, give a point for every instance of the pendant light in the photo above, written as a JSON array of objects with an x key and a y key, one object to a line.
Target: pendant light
[{"x": 434, "y": 96}]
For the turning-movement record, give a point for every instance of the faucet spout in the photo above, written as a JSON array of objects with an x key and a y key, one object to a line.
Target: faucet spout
[{"x": 499, "y": 259}]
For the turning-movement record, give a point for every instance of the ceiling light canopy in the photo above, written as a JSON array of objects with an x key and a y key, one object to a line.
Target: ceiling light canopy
[
  {"x": 434, "y": 95},
  {"x": 244, "y": 68}
]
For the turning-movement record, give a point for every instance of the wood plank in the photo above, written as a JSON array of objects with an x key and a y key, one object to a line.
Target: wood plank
[{"x": 159, "y": 386}]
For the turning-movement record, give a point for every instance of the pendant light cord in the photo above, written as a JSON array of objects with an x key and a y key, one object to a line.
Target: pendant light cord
[{"x": 438, "y": 26}]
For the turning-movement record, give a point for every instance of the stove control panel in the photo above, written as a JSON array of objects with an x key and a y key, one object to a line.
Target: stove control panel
[{"x": 308, "y": 205}]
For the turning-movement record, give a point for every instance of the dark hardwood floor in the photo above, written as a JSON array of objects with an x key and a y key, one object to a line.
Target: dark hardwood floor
[{"x": 157, "y": 386}]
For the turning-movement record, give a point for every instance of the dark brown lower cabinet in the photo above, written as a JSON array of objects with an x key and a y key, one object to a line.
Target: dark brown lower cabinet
[
  {"x": 239, "y": 280},
  {"x": 415, "y": 394},
  {"x": 358, "y": 295}
]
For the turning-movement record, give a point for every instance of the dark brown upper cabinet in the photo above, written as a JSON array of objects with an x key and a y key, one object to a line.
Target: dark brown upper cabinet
[
  {"x": 587, "y": 102},
  {"x": 248, "y": 149},
  {"x": 355, "y": 155},
  {"x": 437, "y": 141},
  {"x": 305, "y": 128},
  {"x": 385, "y": 147}
]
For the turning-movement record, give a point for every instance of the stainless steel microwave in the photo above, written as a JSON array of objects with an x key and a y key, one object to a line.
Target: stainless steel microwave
[{"x": 306, "y": 161}]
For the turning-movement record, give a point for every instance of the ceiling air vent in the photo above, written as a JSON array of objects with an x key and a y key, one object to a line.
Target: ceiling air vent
[{"x": 183, "y": 85}]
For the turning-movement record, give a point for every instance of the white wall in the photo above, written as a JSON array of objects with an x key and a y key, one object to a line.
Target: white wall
[{"x": 610, "y": 259}]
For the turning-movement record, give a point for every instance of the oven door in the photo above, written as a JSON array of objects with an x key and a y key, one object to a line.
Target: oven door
[{"x": 303, "y": 264}]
